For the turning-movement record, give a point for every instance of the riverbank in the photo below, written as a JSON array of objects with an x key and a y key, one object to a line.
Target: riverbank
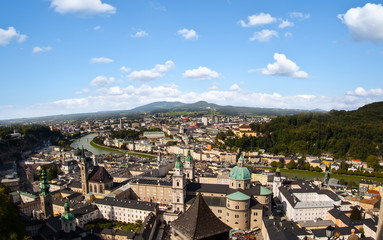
[
  {"x": 95, "y": 145},
  {"x": 292, "y": 173}
]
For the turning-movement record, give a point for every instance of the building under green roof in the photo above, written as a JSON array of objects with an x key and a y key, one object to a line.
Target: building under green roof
[{"x": 238, "y": 196}]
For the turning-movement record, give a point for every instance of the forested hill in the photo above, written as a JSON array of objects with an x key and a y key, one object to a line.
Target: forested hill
[
  {"x": 31, "y": 137},
  {"x": 346, "y": 134}
]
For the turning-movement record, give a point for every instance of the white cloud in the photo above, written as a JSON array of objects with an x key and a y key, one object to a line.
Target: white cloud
[
  {"x": 300, "y": 15},
  {"x": 285, "y": 23},
  {"x": 41, "y": 49},
  {"x": 124, "y": 69},
  {"x": 157, "y": 72},
  {"x": 115, "y": 91},
  {"x": 97, "y": 28},
  {"x": 288, "y": 34},
  {"x": 85, "y": 90},
  {"x": 365, "y": 23},
  {"x": 359, "y": 91},
  {"x": 188, "y": 34},
  {"x": 140, "y": 34},
  {"x": 235, "y": 87},
  {"x": 283, "y": 67},
  {"x": 258, "y": 20},
  {"x": 6, "y": 36},
  {"x": 264, "y": 35},
  {"x": 101, "y": 60},
  {"x": 82, "y": 7},
  {"x": 101, "y": 81},
  {"x": 157, "y": 6},
  {"x": 201, "y": 73}
]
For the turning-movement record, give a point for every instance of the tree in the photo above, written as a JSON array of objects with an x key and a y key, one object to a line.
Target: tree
[
  {"x": 373, "y": 162},
  {"x": 281, "y": 163},
  {"x": 52, "y": 172},
  {"x": 291, "y": 165},
  {"x": 11, "y": 226},
  {"x": 355, "y": 214},
  {"x": 274, "y": 164},
  {"x": 317, "y": 169}
]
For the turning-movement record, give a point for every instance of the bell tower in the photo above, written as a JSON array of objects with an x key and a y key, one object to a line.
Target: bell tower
[
  {"x": 189, "y": 167},
  {"x": 84, "y": 173},
  {"x": 179, "y": 186},
  {"x": 45, "y": 196}
]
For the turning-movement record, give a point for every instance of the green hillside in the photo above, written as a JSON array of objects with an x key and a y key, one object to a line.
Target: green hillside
[{"x": 346, "y": 134}]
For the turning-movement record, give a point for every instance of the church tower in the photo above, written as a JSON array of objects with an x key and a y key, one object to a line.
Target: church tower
[
  {"x": 189, "y": 167},
  {"x": 84, "y": 173},
  {"x": 179, "y": 186},
  {"x": 45, "y": 196},
  {"x": 68, "y": 220}
]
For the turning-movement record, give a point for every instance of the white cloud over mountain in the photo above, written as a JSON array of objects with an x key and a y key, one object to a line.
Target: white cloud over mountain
[
  {"x": 101, "y": 60},
  {"x": 365, "y": 23},
  {"x": 101, "y": 81},
  {"x": 283, "y": 67},
  {"x": 359, "y": 91},
  {"x": 263, "y": 36},
  {"x": 82, "y": 7},
  {"x": 188, "y": 34},
  {"x": 201, "y": 73},
  {"x": 258, "y": 20},
  {"x": 7, "y": 35},
  {"x": 157, "y": 72},
  {"x": 38, "y": 49}
]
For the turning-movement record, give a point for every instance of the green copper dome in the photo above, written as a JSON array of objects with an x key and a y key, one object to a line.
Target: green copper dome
[
  {"x": 238, "y": 196},
  {"x": 67, "y": 216},
  {"x": 44, "y": 186},
  {"x": 278, "y": 170},
  {"x": 188, "y": 157},
  {"x": 265, "y": 191},
  {"x": 179, "y": 164},
  {"x": 240, "y": 172}
]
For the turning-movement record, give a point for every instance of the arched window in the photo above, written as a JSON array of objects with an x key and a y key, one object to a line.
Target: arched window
[
  {"x": 90, "y": 188},
  {"x": 178, "y": 184},
  {"x": 95, "y": 188},
  {"x": 101, "y": 189}
]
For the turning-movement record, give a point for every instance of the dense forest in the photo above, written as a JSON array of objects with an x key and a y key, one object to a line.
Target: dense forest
[
  {"x": 346, "y": 134},
  {"x": 31, "y": 136}
]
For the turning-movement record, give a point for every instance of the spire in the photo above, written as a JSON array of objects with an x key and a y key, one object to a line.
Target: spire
[
  {"x": 179, "y": 164},
  {"x": 241, "y": 161},
  {"x": 44, "y": 186},
  {"x": 189, "y": 158},
  {"x": 82, "y": 157},
  {"x": 67, "y": 216}
]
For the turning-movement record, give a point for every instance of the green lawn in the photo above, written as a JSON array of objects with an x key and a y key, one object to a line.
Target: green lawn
[
  {"x": 121, "y": 151},
  {"x": 311, "y": 175}
]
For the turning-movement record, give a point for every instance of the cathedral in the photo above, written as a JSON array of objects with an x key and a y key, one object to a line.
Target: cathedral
[{"x": 241, "y": 204}]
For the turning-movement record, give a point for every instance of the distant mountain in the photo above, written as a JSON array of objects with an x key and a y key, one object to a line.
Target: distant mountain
[
  {"x": 162, "y": 107},
  {"x": 156, "y": 107},
  {"x": 203, "y": 106}
]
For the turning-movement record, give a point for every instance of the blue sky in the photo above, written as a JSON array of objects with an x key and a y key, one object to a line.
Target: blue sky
[{"x": 73, "y": 56}]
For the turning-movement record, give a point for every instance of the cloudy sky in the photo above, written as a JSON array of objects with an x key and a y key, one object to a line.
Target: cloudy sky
[{"x": 73, "y": 56}]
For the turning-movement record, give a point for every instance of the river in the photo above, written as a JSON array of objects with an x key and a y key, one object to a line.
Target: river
[{"x": 85, "y": 141}]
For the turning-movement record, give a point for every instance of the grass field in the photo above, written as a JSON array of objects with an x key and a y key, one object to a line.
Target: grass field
[
  {"x": 121, "y": 151},
  {"x": 292, "y": 173}
]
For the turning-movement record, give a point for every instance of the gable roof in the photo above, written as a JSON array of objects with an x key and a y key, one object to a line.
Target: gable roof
[
  {"x": 199, "y": 222},
  {"x": 99, "y": 174}
]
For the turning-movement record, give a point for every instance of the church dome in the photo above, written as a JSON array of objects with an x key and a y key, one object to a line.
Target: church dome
[{"x": 240, "y": 172}]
